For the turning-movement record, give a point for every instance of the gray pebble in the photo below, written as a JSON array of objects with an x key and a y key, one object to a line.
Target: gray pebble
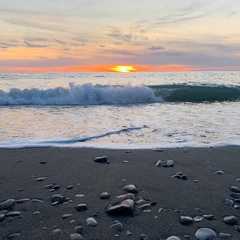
[
  {"x": 81, "y": 207},
  {"x": 173, "y": 238},
  {"x": 118, "y": 227},
  {"x": 126, "y": 196},
  {"x": 143, "y": 237},
  {"x": 105, "y": 195},
  {"x": 7, "y": 204},
  {"x": 58, "y": 198},
  {"x": 235, "y": 195},
  {"x": 198, "y": 218},
  {"x": 219, "y": 173},
  {"x": 224, "y": 235},
  {"x": 186, "y": 220},
  {"x": 78, "y": 229},
  {"x": 125, "y": 207},
  {"x": 19, "y": 201},
  {"x": 102, "y": 159},
  {"x": 165, "y": 163},
  {"x": 229, "y": 202},
  {"x": 91, "y": 222},
  {"x": 204, "y": 233},
  {"x": 13, "y": 236},
  {"x": 67, "y": 215},
  {"x": 230, "y": 220},
  {"x": 36, "y": 213},
  {"x": 57, "y": 231},
  {"x": 130, "y": 188},
  {"x": 35, "y": 200},
  {"x": 235, "y": 189},
  {"x": 76, "y": 236},
  {"x": 41, "y": 179},
  {"x": 69, "y": 187},
  {"x": 2, "y": 216},
  {"x": 209, "y": 217},
  {"x": 13, "y": 214}
]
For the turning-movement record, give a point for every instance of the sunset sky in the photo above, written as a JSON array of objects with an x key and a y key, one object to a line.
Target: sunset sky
[{"x": 96, "y": 35}]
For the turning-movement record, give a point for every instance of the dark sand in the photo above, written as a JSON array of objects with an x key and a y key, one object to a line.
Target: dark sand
[{"x": 19, "y": 169}]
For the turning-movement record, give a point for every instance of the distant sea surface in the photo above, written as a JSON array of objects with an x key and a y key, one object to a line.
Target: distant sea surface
[{"x": 120, "y": 110}]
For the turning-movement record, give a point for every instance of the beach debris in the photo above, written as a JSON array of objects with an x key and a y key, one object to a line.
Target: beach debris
[
  {"x": 165, "y": 163},
  {"x": 186, "y": 220},
  {"x": 91, "y": 222},
  {"x": 230, "y": 220},
  {"x": 102, "y": 159},
  {"x": 219, "y": 172},
  {"x": 180, "y": 175},
  {"x": 205, "y": 233},
  {"x": 81, "y": 207},
  {"x": 7, "y": 204},
  {"x": 130, "y": 188},
  {"x": 125, "y": 207},
  {"x": 104, "y": 195},
  {"x": 173, "y": 238},
  {"x": 76, "y": 236},
  {"x": 117, "y": 226}
]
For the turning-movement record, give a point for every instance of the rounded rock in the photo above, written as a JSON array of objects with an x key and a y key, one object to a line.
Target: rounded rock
[
  {"x": 235, "y": 189},
  {"x": 58, "y": 198},
  {"x": 56, "y": 231},
  {"x": 230, "y": 220},
  {"x": 81, "y": 207},
  {"x": 173, "y": 238},
  {"x": 7, "y": 204},
  {"x": 91, "y": 222},
  {"x": 224, "y": 235},
  {"x": 130, "y": 188},
  {"x": 186, "y": 220},
  {"x": 204, "y": 234},
  {"x": 13, "y": 236},
  {"x": 102, "y": 159},
  {"x": 118, "y": 227},
  {"x": 105, "y": 195},
  {"x": 76, "y": 236}
]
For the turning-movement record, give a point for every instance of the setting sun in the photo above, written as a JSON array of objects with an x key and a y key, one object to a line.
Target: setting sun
[{"x": 123, "y": 69}]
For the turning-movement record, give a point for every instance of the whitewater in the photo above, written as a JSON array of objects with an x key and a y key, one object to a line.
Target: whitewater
[{"x": 120, "y": 110}]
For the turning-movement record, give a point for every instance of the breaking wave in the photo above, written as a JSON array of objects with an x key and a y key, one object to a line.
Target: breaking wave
[{"x": 88, "y": 94}]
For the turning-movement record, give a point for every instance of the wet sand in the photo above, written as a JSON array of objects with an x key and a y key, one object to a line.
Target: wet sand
[{"x": 203, "y": 193}]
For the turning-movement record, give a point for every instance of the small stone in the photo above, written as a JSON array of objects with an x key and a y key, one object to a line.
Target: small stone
[
  {"x": 78, "y": 229},
  {"x": 230, "y": 220},
  {"x": 130, "y": 188},
  {"x": 205, "y": 233},
  {"x": 125, "y": 207},
  {"x": 81, "y": 207},
  {"x": 209, "y": 217},
  {"x": 183, "y": 177},
  {"x": 236, "y": 206},
  {"x": 55, "y": 187},
  {"x": 118, "y": 227},
  {"x": 13, "y": 236},
  {"x": 186, "y": 220},
  {"x": 235, "y": 189},
  {"x": 235, "y": 195},
  {"x": 173, "y": 238},
  {"x": 36, "y": 213},
  {"x": 2, "y": 216},
  {"x": 128, "y": 233},
  {"x": 41, "y": 179},
  {"x": 7, "y": 204},
  {"x": 177, "y": 175},
  {"x": 36, "y": 200},
  {"x": 67, "y": 215},
  {"x": 126, "y": 196},
  {"x": 102, "y": 159},
  {"x": 19, "y": 201},
  {"x": 229, "y": 202},
  {"x": 76, "y": 236},
  {"x": 58, "y": 198},
  {"x": 224, "y": 235},
  {"x": 13, "y": 214},
  {"x": 143, "y": 237},
  {"x": 57, "y": 231},
  {"x": 165, "y": 163},
  {"x": 219, "y": 173},
  {"x": 48, "y": 186},
  {"x": 198, "y": 218},
  {"x": 91, "y": 222},
  {"x": 69, "y": 187},
  {"x": 105, "y": 195},
  {"x": 79, "y": 195},
  {"x": 145, "y": 206}
]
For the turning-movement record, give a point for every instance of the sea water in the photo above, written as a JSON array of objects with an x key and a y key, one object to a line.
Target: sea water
[{"x": 120, "y": 110}]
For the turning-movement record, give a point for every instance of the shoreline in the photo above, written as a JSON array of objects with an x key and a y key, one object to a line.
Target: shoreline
[{"x": 81, "y": 181}]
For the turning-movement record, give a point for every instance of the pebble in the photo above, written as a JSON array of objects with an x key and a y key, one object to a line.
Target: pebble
[
  {"x": 198, "y": 218},
  {"x": 35, "y": 200},
  {"x": 125, "y": 207},
  {"x": 102, "y": 159},
  {"x": 180, "y": 175},
  {"x": 91, "y": 222},
  {"x": 235, "y": 195},
  {"x": 69, "y": 187},
  {"x": 19, "y": 201},
  {"x": 2, "y": 216},
  {"x": 224, "y": 235},
  {"x": 13, "y": 214},
  {"x": 14, "y": 235},
  {"x": 235, "y": 189},
  {"x": 67, "y": 215},
  {"x": 48, "y": 186},
  {"x": 7, "y": 204},
  {"x": 230, "y": 220},
  {"x": 41, "y": 179},
  {"x": 236, "y": 206},
  {"x": 117, "y": 226},
  {"x": 208, "y": 217},
  {"x": 78, "y": 229},
  {"x": 143, "y": 237},
  {"x": 165, "y": 163},
  {"x": 126, "y": 196},
  {"x": 36, "y": 213},
  {"x": 229, "y": 202},
  {"x": 204, "y": 233},
  {"x": 130, "y": 188},
  {"x": 56, "y": 231},
  {"x": 186, "y": 220},
  {"x": 219, "y": 173},
  {"x": 76, "y": 236},
  {"x": 104, "y": 195},
  {"x": 128, "y": 233},
  {"x": 173, "y": 238},
  {"x": 79, "y": 195},
  {"x": 81, "y": 207},
  {"x": 58, "y": 198}
]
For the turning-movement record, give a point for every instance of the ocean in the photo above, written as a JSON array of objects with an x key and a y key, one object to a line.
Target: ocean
[{"x": 120, "y": 110}]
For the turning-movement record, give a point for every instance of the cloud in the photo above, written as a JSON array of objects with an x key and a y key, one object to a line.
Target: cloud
[
  {"x": 115, "y": 33},
  {"x": 34, "y": 45},
  {"x": 9, "y": 43},
  {"x": 156, "y": 48}
]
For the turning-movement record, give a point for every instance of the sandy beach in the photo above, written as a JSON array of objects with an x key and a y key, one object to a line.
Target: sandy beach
[{"x": 203, "y": 197}]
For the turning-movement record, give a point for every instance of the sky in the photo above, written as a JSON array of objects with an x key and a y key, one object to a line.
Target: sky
[{"x": 96, "y": 35}]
